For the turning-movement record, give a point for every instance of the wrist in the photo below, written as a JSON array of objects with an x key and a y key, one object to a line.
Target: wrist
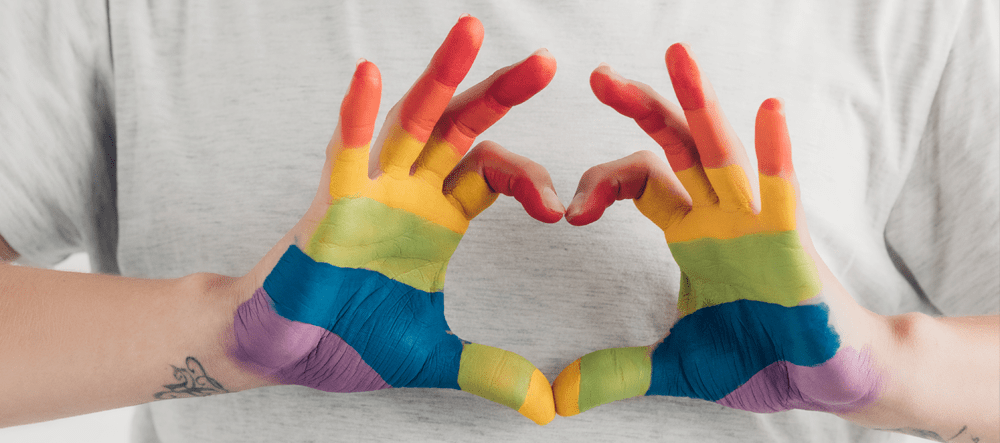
[
  {"x": 939, "y": 382},
  {"x": 897, "y": 357},
  {"x": 220, "y": 297}
]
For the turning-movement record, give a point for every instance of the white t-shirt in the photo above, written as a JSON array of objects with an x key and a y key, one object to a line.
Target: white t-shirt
[{"x": 170, "y": 138}]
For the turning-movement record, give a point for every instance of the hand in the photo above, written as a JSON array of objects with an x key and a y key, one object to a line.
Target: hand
[
  {"x": 354, "y": 303},
  {"x": 763, "y": 324}
]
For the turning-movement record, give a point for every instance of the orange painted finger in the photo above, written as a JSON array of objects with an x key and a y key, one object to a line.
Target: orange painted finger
[
  {"x": 348, "y": 149},
  {"x": 774, "y": 148},
  {"x": 627, "y": 178},
  {"x": 721, "y": 153},
  {"x": 480, "y": 107},
  {"x": 490, "y": 170},
  {"x": 778, "y": 185},
  {"x": 421, "y": 108},
  {"x": 359, "y": 109}
]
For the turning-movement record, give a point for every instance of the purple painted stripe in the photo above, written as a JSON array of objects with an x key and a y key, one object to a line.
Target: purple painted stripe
[
  {"x": 844, "y": 383},
  {"x": 291, "y": 352}
]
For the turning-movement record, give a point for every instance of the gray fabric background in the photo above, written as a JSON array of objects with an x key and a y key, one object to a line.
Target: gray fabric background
[{"x": 172, "y": 138}]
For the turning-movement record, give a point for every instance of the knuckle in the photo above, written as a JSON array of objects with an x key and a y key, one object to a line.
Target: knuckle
[{"x": 644, "y": 157}]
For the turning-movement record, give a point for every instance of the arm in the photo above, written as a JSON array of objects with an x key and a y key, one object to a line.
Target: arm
[
  {"x": 75, "y": 343},
  {"x": 764, "y": 325},
  {"x": 945, "y": 379},
  {"x": 349, "y": 300}
]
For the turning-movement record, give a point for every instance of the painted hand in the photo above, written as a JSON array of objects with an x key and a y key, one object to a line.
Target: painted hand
[
  {"x": 763, "y": 324},
  {"x": 355, "y": 303}
]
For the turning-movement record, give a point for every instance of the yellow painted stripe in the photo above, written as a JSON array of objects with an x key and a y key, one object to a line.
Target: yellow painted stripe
[
  {"x": 732, "y": 187},
  {"x": 566, "y": 390},
  {"x": 538, "y": 404},
  {"x": 777, "y": 215}
]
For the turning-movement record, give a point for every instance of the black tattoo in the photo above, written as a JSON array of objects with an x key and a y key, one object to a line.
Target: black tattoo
[
  {"x": 960, "y": 432},
  {"x": 193, "y": 382},
  {"x": 930, "y": 435}
]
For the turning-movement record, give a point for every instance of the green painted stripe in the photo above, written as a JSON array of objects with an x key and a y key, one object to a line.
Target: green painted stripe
[
  {"x": 613, "y": 374},
  {"x": 767, "y": 267},
  {"x": 495, "y": 374},
  {"x": 361, "y": 233}
]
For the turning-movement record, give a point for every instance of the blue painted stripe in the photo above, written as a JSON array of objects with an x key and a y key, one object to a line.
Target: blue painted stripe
[
  {"x": 398, "y": 330},
  {"x": 714, "y": 350}
]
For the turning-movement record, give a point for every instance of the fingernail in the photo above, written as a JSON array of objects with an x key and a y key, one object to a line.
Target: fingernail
[
  {"x": 543, "y": 52},
  {"x": 551, "y": 200},
  {"x": 574, "y": 206},
  {"x": 464, "y": 16},
  {"x": 359, "y": 62},
  {"x": 611, "y": 71}
]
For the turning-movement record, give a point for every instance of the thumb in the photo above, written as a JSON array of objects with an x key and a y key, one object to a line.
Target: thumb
[
  {"x": 602, "y": 377},
  {"x": 506, "y": 378},
  {"x": 489, "y": 170}
]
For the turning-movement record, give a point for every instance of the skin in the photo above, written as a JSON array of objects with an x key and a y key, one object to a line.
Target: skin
[
  {"x": 154, "y": 335},
  {"x": 867, "y": 368},
  {"x": 419, "y": 223},
  {"x": 177, "y": 337}
]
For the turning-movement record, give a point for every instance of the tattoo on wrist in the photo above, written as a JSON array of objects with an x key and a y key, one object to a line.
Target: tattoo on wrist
[
  {"x": 930, "y": 435},
  {"x": 193, "y": 382}
]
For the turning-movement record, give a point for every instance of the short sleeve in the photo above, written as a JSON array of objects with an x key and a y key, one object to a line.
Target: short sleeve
[
  {"x": 57, "y": 150},
  {"x": 945, "y": 226}
]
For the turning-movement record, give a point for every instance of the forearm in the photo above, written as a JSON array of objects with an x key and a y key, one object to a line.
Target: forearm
[
  {"x": 944, "y": 381},
  {"x": 75, "y": 343}
]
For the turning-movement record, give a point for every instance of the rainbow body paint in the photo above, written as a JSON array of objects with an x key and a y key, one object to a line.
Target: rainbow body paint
[
  {"x": 755, "y": 331},
  {"x": 360, "y": 306}
]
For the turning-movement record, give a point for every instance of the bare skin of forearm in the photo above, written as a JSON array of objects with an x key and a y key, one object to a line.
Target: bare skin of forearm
[
  {"x": 75, "y": 343},
  {"x": 946, "y": 381}
]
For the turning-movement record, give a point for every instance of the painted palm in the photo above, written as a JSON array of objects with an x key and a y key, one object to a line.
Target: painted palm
[
  {"x": 756, "y": 330},
  {"x": 359, "y": 305}
]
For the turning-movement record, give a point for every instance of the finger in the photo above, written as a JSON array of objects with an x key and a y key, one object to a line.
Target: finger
[
  {"x": 478, "y": 108},
  {"x": 490, "y": 170},
  {"x": 602, "y": 377},
  {"x": 347, "y": 151},
  {"x": 719, "y": 149},
  {"x": 630, "y": 177},
  {"x": 506, "y": 378},
  {"x": 778, "y": 186},
  {"x": 409, "y": 125},
  {"x": 663, "y": 121}
]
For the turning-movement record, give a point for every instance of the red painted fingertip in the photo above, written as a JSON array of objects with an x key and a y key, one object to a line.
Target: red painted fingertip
[
  {"x": 432, "y": 92},
  {"x": 773, "y": 104},
  {"x": 524, "y": 80},
  {"x": 685, "y": 76},
  {"x": 774, "y": 147},
  {"x": 587, "y": 208},
  {"x": 454, "y": 58},
  {"x": 615, "y": 91},
  {"x": 526, "y": 192},
  {"x": 359, "y": 109},
  {"x": 534, "y": 203}
]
